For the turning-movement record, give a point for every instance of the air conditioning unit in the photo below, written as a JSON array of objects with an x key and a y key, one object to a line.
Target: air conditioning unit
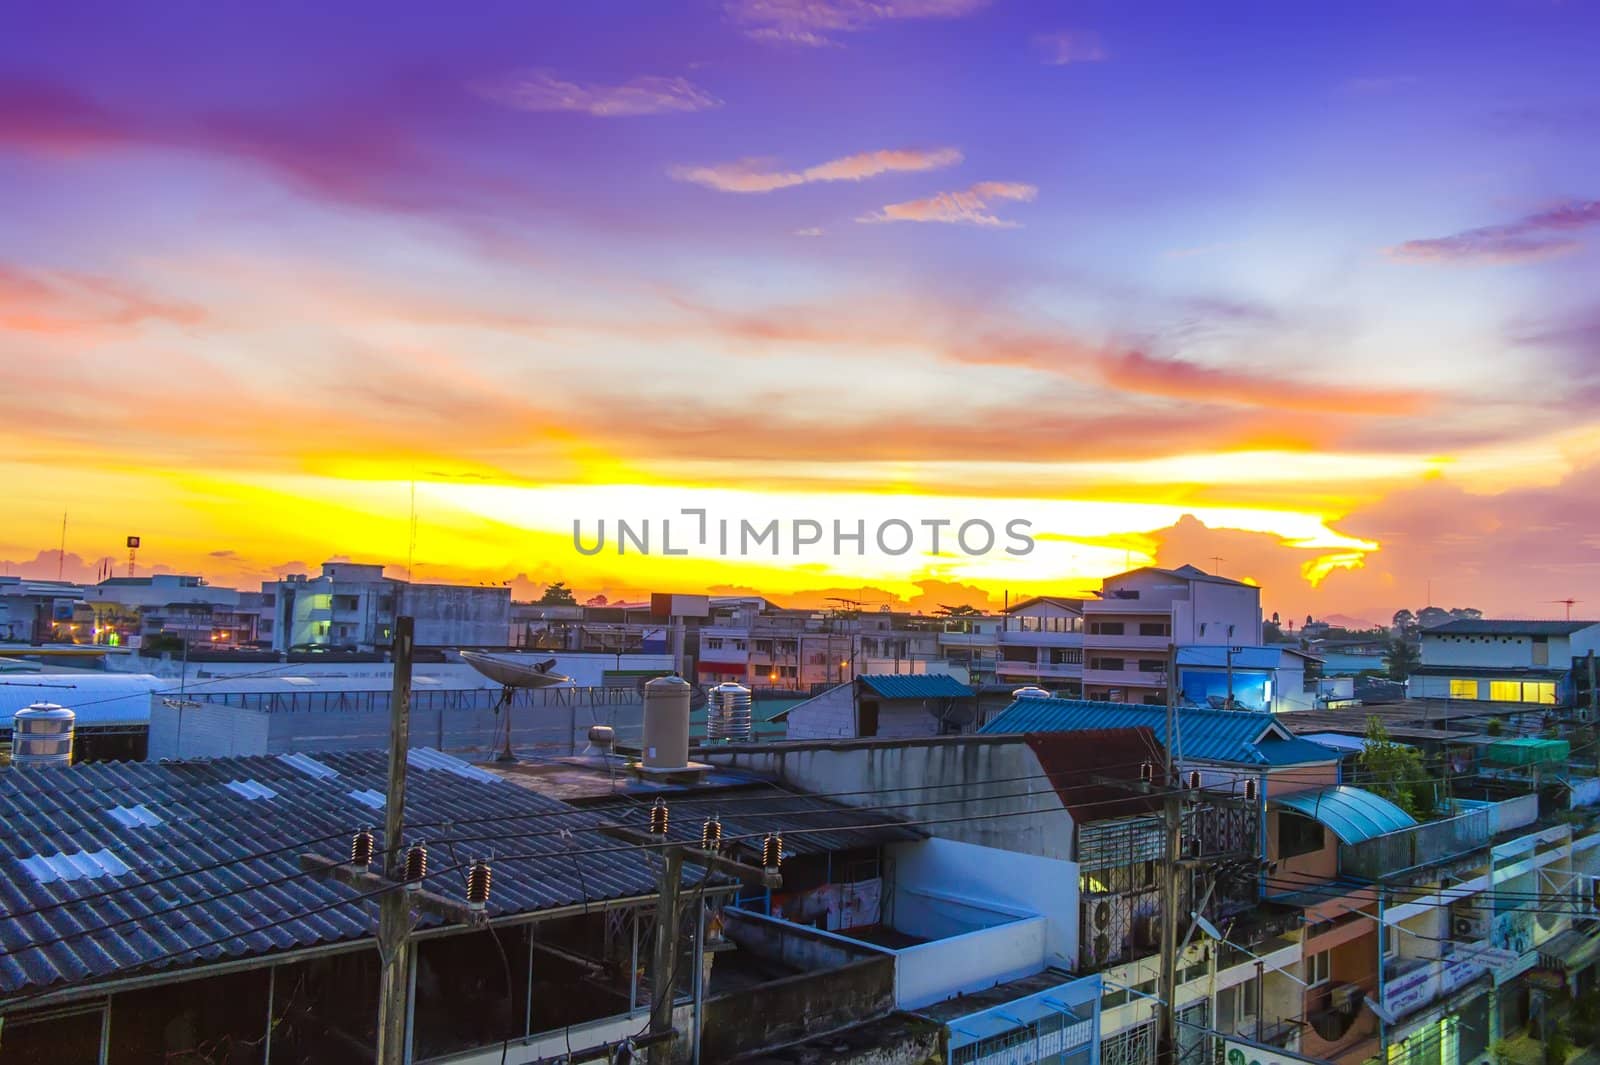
[
  {"x": 1346, "y": 998},
  {"x": 1462, "y": 927}
]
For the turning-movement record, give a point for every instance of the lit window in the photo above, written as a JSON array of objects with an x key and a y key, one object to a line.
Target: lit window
[
  {"x": 1463, "y": 689},
  {"x": 1540, "y": 691},
  {"x": 1505, "y": 691}
]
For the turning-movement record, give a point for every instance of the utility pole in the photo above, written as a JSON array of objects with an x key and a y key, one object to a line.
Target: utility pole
[
  {"x": 394, "y": 900},
  {"x": 394, "y": 915},
  {"x": 667, "y": 914},
  {"x": 1166, "y": 1027}
]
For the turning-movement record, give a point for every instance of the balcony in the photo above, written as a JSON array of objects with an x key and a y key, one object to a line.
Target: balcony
[
  {"x": 1413, "y": 848},
  {"x": 1030, "y": 638},
  {"x": 1127, "y": 642},
  {"x": 1124, "y": 678},
  {"x": 1005, "y": 668}
]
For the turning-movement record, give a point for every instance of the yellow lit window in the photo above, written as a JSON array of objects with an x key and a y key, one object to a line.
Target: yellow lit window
[
  {"x": 1541, "y": 691},
  {"x": 1505, "y": 691},
  {"x": 1463, "y": 689}
]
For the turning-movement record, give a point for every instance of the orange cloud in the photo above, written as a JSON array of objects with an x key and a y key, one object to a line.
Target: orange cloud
[
  {"x": 542, "y": 90},
  {"x": 970, "y": 206},
  {"x": 67, "y": 302}
]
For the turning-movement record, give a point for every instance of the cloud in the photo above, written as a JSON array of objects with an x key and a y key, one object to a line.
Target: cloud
[
  {"x": 758, "y": 175},
  {"x": 1066, "y": 47},
  {"x": 1535, "y": 236},
  {"x": 969, "y": 206},
  {"x": 541, "y": 90},
  {"x": 811, "y": 23},
  {"x": 809, "y": 231},
  {"x": 66, "y": 302}
]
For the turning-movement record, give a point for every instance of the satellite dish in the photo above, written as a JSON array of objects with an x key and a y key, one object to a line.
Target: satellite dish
[{"x": 1207, "y": 927}]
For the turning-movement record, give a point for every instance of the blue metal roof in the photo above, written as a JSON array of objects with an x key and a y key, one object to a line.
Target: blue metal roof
[
  {"x": 1297, "y": 751},
  {"x": 1204, "y": 734},
  {"x": 916, "y": 686},
  {"x": 1350, "y": 813}
]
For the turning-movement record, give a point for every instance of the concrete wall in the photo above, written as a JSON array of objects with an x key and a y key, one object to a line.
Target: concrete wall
[
  {"x": 1023, "y": 883},
  {"x": 844, "y": 983},
  {"x": 991, "y": 776},
  {"x": 932, "y": 972},
  {"x": 830, "y": 715}
]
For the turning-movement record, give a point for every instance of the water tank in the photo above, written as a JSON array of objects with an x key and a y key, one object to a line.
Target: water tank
[
  {"x": 1032, "y": 691},
  {"x": 666, "y": 723},
  {"x": 728, "y": 714},
  {"x": 41, "y": 735},
  {"x": 602, "y": 737}
]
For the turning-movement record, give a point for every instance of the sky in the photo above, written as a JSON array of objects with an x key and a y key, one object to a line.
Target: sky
[{"x": 1303, "y": 294}]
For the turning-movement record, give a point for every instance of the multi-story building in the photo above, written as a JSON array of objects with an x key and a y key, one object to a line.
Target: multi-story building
[
  {"x": 1503, "y": 661},
  {"x": 1141, "y": 613},
  {"x": 354, "y": 605},
  {"x": 1041, "y": 643}
]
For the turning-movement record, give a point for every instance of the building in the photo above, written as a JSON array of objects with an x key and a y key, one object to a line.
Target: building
[
  {"x": 38, "y": 611},
  {"x": 1041, "y": 643},
  {"x": 353, "y": 605},
  {"x": 1272, "y": 678},
  {"x": 1501, "y": 661},
  {"x": 887, "y": 705},
  {"x": 1141, "y": 613}
]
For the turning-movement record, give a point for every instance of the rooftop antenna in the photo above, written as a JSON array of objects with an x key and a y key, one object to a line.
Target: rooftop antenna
[
  {"x": 1568, "y": 603},
  {"x": 1217, "y": 561}
]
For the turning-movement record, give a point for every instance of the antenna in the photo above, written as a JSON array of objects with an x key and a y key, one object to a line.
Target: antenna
[
  {"x": 1568, "y": 603},
  {"x": 1217, "y": 561},
  {"x": 61, "y": 555}
]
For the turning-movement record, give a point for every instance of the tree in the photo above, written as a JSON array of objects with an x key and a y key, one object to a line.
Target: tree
[
  {"x": 962, "y": 611},
  {"x": 557, "y": 594},
  {"x": 1404, "y": 621},
  {"x": 1401, "y": 658},
  {"x": 1395, "y": 771}
]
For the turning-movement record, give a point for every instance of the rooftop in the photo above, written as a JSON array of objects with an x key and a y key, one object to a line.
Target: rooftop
[
  {"x": 1506, "y": 627},
  {"x": 1352, "y": 814},
  {"x": 1209, "y": 735},
  {"x": 915, "y": 686}
]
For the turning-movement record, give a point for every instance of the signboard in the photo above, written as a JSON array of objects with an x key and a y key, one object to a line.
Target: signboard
[
  {"x": 1486, "y": 956},
  {"x": 133, "y": 542},
  {"x": 1237, "y": 1052}
]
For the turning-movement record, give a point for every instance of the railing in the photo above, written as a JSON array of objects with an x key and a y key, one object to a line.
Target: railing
[
  {"x": 1412, "y": 848},
  {"x": 1030, "y": 669}
]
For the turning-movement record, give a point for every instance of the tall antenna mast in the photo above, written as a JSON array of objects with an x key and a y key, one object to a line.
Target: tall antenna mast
[{"x": 61, "y": 555}]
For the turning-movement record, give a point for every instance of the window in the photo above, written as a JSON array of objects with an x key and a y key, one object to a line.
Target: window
[
  {"x": 738, "y": 645},
  {"x": 867, "y": 725},
  {"x": 1298, "y": 835},
  {"x": 713, "y": 645},
  {"x": 1113, "y": 665},
  {"x": 1539, "y": 691},
  {"x": 1319, "y": 968},
  {"x": 1463, "y": 689},
  {"x": 1105, "y": 628},
  {"x": 1541, "y": 651},
  {"x": 1152, "y": 665},
  {"x": 1154, "y": 628},
  {"x": 1505, "y": 691}
]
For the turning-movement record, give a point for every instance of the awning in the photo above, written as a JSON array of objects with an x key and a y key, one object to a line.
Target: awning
[
  {"x": 725, "y": 669},
  {"x": 1570, "y": 951},
  {"x": 1352, "y": 814}
]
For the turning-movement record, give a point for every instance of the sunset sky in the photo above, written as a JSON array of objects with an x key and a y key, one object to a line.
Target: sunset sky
[{"x": 1317, "y": 294}]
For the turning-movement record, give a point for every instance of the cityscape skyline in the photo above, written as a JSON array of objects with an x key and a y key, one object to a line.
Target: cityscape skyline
[{"x": 1307, "y": 292}]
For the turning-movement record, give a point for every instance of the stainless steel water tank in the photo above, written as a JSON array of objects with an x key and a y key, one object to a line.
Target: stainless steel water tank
[
  {"x": 728, "y": 713},
  {"x": 666, "y": 723},
  {"x": 1031, "y": 691},
  {"x": 41, "y": 735}
]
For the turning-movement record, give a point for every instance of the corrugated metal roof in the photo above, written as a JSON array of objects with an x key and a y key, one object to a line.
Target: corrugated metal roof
[
  {"x": 1352, "y": 814},
  {"x": 55, "y": 816},
  {"x": 1208, "y": 735},
  {"x": 916, "y": 686},
  {"x": 98, "y": 699}
]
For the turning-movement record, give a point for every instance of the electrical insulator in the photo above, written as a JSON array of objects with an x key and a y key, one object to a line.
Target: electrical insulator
[
  {"x": 772, "y": 851},
  {"x": 1147, "y": 772},
  {"x": 479, "y": 877},
  {"x": 711, "y": 834},
  {"x": 1194, "y": 778},
  {"x": 658, "y": 818},
  {"x": 416, "y": 866},
  {"x": 1250, "y": 789},
  {"x": 361, "y": 849}
]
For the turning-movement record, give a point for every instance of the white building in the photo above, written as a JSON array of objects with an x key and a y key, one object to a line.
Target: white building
[
  {"x": 1041, "y": 643},
  {"x": 1139, "y": 614},
  {"x": 354, "y": 605},
  {"x": 1489, "y": 660}
]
